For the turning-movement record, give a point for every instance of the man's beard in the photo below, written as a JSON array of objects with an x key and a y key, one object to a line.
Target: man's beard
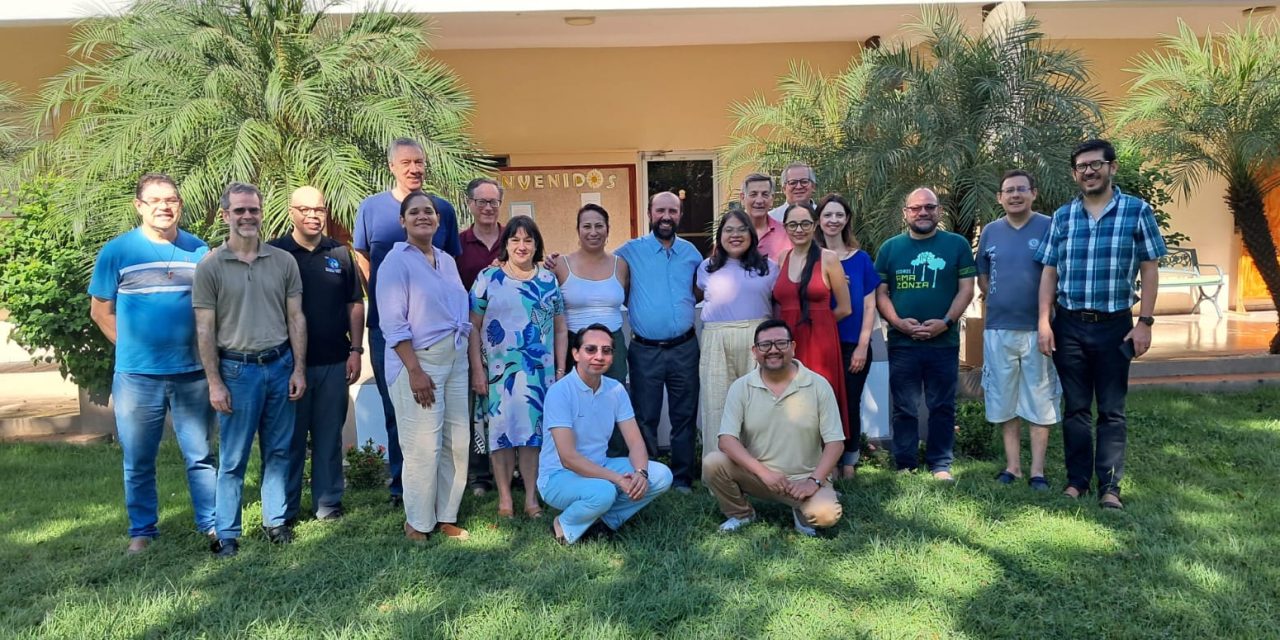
[
  {"x": 1102, "y": 188},
  {"x": 915, "y": 226},
  {"x": 663, "y": 233}
]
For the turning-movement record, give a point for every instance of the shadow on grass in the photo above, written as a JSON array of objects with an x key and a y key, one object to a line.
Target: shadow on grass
[{"x": 911, "y": 558}]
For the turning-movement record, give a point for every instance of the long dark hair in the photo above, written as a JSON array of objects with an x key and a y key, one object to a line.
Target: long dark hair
[
  {"x": 846, "y": 233},
  {"x": 751, "y": 260},
  {"x": 530, "y": 227},
  {"x": 812, "y": 259}
]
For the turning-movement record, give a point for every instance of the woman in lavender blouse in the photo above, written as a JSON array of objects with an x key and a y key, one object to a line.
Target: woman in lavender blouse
[
  {"x": 736, "y": 284},
  {"x": 424, "y": 316}
]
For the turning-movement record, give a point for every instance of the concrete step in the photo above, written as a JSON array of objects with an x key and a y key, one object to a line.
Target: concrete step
[
  {"x": 1208, "y": 366},
  {"x": 63, "y": 438},
  {"x": 1207, "y": 383}
]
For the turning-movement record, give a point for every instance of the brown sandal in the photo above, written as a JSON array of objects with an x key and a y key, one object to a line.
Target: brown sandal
[
  {"x": 414, "y": 534},
  {"x": 533, "y": 512},
  {"x": 1110, "y": 501}
]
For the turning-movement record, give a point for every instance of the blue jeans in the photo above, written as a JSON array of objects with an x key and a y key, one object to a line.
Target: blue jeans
[
  {"x": 377, "y": 357},
  {"x": 585, "y": 500},
  {"x": 141, "y": 402},
  {"x": 259, "y": 406},
  {"x": 936, "y": 370}
]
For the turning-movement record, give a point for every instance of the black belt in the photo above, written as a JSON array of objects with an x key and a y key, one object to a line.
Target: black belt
[
  {"x": 664, "y": 344},
  {"x": 1091, "y": 316},
  {"x": 257, "y": 357}
]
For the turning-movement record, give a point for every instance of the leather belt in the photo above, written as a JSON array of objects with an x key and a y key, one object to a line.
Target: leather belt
[
  {"x": 1092, "y": 316},
  {"x": 664, "y": 344},
  {"x": 257, "y": 357}
]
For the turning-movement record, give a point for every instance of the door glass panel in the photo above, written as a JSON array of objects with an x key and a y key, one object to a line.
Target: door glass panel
[{"x": 694, "y": 182}]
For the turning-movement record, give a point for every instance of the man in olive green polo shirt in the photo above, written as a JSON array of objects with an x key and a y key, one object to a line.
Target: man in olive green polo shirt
[
  {"x": 253, "y": 345},
  {"x": 780, "y": 438}
]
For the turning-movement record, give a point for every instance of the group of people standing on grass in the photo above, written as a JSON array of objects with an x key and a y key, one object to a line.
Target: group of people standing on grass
[{"x": 492, "y": 356}]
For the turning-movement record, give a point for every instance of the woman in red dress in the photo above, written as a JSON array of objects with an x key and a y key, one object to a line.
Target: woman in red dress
[{"x": 811, "y": 269}]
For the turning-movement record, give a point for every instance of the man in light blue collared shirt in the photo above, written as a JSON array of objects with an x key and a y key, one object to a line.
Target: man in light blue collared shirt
[
  {"x": 663, "y": 354},
  {"x": 592, "y": 489}
]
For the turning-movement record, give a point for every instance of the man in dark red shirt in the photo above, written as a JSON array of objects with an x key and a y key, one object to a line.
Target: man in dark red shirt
[{"x": 480, "y": 248}]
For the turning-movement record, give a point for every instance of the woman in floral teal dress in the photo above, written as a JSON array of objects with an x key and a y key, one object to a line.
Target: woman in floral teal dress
[{"x": 517, "y": 350}]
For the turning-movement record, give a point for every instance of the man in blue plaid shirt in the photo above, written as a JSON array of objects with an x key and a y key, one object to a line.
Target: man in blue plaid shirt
[{"x": 1097, "y": 244}]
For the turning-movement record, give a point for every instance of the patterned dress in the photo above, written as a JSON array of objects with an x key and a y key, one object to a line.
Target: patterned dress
[{"x": 517, "y": 338}]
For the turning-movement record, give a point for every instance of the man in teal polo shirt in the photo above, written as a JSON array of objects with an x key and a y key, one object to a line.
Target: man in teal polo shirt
[{"x": 926, "y": 281}]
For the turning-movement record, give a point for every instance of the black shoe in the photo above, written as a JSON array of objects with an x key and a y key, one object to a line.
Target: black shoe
[
  {"x": 335, "y": 513},
  {"x": 282, "y": 534},
  {"x": 397, "y": 501},
  {"x": 226, "y": 548},
  {"x": 599, "y": 531}
]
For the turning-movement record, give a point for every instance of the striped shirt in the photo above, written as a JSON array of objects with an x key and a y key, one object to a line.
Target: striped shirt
[{"x": 1097, "y": 260}]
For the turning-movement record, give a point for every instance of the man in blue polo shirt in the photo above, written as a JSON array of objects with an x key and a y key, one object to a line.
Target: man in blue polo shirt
[
  {"x": 1098, "y": 244},
  {"x": 575, "y": 474},
  {"x": 141, "y": 290},
  {"x": 377, "y": 230},
  {"x": 663, "y": 354}
]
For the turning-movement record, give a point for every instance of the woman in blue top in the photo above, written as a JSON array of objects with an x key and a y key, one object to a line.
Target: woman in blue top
[
  {"x": 836, "y": 221},
  {"x": 517, "y": 351},
  {"x": 424, "y": 319}
]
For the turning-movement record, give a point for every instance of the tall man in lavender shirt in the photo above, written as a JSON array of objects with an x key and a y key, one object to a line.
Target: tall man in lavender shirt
[{"x": 377, "y": 230}]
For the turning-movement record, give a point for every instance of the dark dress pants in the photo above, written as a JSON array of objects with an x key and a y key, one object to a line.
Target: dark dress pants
[
  {"x": 1092, "y": 367},
  {"x": 320, "y": 414},
  {"x": 934, "y": 372},
  {"x": 377, "y": 357},
  {"x": 674, "y": 369}
]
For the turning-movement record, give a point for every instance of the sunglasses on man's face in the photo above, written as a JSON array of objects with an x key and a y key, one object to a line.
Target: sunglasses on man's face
[{"x": 591, "y": 350}]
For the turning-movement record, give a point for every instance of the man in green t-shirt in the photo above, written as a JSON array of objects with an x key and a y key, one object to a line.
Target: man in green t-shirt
[{"x": 926, "y": 281}]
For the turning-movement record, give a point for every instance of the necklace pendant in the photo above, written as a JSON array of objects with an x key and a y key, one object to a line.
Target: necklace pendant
[{"x": 169, "y": 275}]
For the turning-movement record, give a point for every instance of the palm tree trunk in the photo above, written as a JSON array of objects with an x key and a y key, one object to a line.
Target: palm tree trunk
[{"x": 1245, "y": 199}]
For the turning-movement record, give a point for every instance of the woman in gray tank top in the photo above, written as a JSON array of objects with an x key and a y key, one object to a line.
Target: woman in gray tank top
[{"x": 594, "y": 285}]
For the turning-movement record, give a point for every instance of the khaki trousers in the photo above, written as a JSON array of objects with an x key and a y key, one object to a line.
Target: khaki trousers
[
  {"x": 725, "y": 357},
  {"x": 435, "y": 440},
  {"x": 731, "y": 484}
]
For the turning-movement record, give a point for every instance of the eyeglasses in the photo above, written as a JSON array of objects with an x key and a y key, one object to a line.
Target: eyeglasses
[
  {"x": 1092, "y": 165},
  {"x": 253, "y": 211},
  {"x": 318, "y": 212},
  {"x": 591, "y": 350},
  {"x": 735, "y": 231},
  {"x": 917, "y": 208},
  {"x": 800, "y": 225},
  {"x": 772, "y": 345},
  {"x": 155, "y": 202},
  {"x": 1008, "y": 191},
  {"x": 482, "y": 203},
  {"x": 802, "y": 182}
]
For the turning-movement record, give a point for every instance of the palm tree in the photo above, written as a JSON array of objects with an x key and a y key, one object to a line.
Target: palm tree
[
  {"x": 1211, "y": 107},
  {"x": 953, "y": 112},
  {"x": 273, "y": 92},
  {"x": 12, "y": 140}
]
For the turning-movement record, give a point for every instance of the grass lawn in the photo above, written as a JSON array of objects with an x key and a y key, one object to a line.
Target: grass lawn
[{"x": 1194, "y": 555}]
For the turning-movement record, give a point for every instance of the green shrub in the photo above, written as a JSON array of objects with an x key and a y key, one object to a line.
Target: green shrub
[
  {"x": 44, "y": 277},
  {"x": 365, "y": 468},
  {"x": 975, "y": 437}
]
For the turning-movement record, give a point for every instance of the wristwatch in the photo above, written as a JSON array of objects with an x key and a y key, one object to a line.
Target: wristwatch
[
  {"x": 359, "y": 350},
  {"x": 1147, "y": 320},
  {"x": 643, "y": 472},
  {"x": 949, "y": 322},
  {"x": 816, "y": 481}
]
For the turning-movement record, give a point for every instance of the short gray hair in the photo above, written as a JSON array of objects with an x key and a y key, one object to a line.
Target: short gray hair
[
  {"x": 757, "y": 177},
  {"x": 813, "y": 177},
  {"x": 475, "y": 184},
  {"x": 402, "y": 142},
  {"x": 237, "y": 187}
]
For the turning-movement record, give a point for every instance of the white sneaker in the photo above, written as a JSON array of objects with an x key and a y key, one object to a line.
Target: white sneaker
[
  {"x": 733, "y": 524},
  {"x": 801, "y": 527}
]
